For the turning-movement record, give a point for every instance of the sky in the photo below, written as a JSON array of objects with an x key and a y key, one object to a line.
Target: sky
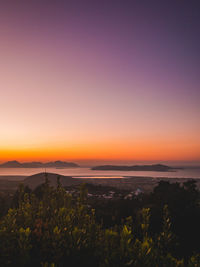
[{"x": 85, "y": 80}]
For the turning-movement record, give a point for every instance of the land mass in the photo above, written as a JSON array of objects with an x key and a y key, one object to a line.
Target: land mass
[
  {"x": 132, "y": 183},
  {"x": 155, "y": 167},
  {"x": 53, "y": 164}
]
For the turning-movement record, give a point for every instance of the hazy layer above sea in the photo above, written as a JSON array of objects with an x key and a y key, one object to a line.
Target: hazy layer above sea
[{"x": 87, "y": 172}]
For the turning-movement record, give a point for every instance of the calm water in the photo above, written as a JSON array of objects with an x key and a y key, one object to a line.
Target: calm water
[{"x": 86, "y": 172}]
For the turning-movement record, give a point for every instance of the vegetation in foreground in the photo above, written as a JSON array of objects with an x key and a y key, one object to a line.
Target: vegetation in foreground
[{"x": 50, "y": 227}]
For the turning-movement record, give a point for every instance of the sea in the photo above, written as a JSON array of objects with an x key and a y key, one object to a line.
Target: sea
[{"x": 85, "y": 172}]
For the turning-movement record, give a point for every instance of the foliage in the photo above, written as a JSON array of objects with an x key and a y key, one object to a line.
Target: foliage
[{"x": 50, "y": 228}]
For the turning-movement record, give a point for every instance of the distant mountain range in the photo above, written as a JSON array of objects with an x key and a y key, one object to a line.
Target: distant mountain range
[
  {"x": 155, "y": 167},
  {"x": 53, "y": 164}
]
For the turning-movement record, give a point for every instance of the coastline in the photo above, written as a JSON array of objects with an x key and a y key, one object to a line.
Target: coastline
[{"x": 145, "y": 183}]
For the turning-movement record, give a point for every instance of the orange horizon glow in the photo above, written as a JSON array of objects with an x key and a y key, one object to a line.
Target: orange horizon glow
[
  {"x": 74, "y": 85},
  {"x": 114, "y": 151}
]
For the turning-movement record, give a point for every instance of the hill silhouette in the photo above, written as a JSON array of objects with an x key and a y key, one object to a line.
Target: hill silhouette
[
  {"x": 37, "y": 179},
  {"x": 35, "y": 164},
  {"x": 155, "y": 167}
]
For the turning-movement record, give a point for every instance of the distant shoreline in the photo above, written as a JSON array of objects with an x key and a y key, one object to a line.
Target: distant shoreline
[
  {"x": 86, "y": 177},
  {"x": 10, "y": 183}
]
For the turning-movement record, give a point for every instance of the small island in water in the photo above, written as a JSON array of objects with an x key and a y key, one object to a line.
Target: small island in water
[
  {"x": 155, "y": 167},
  {"x": 52, "y": 164}
]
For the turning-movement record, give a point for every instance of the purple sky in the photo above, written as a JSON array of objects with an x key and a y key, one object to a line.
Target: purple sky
[{"x": 100, "y": 79}]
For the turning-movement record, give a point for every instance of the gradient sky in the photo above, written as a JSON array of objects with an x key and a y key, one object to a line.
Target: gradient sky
[{"x": 100, "y": 80}]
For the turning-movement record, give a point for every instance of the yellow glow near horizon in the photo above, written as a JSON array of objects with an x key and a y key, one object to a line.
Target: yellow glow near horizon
[
  {"x": 84, "y": 93},
  {"x": 110, "y": 151}
]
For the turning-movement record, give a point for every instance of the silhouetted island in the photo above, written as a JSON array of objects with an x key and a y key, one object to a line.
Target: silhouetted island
[
  {"x": 155, "y": 167},
  {"x": 53, "y": 164}
]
